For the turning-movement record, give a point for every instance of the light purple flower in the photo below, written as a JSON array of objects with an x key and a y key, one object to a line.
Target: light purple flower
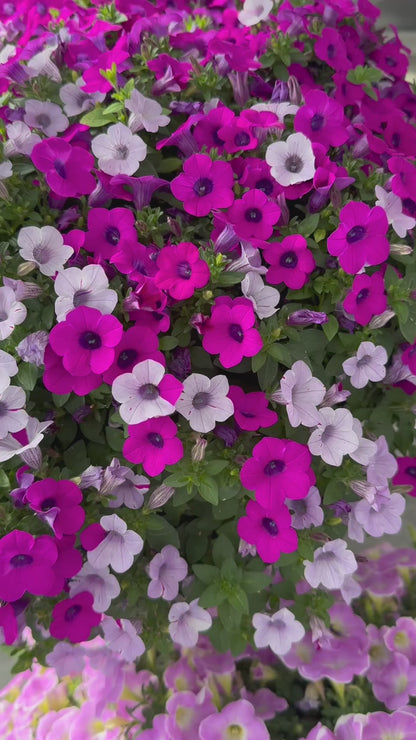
[
  {"x": 118, "y": 548},
  {"x": 145, "y": 113},
  {"x": 186, "y": 710},
  {"x": 13, "y": 417},
  {"x": 278, "y": 631},
  {"x": 8, "y": 368},
  {"x": 334, "y": 437},
  {"x": 368, "y": 364},
  {"x": 307, "y": 512},
  {"x": 146, "y": 392},
  {"x": 6, "y": 171},
  {"x": 383, "y": 515},
  {"x": 291, "y": 161},
  {"x": 186, "y": 621},
  {"x": 263, "y": 297},
  {"x": 204, "y": 401},
  {"x": 9, "y": 446},
  {"x": 366, "y": 447},
  {"x": 330, "y": 565},
  {"x": 32, "y": 348},
  {"x": 45, "y": 247},
  {"x": 265, "y": 702},
  {"x": 396, "y": 683},
  {"x": 383, "y": 465},
  {"x": 119, "y": 152},
  {"x": 45, "y": 116},
  {"x": 83, "y": 287},
  {"x": 383, "y": 726},
  {"x": 305, "y": 317},
  {"x": 166, "y": 570},
  {"x": 393, "y": 207},
  {"x": 401, "y": 638},
  {"x": 301, "y": 393},
  {"x": 20, "y": 139},
  {"x": 66, "y": 659},
  {"x": 236, "y": 720},
  {"x": 121, "y": 637},
  {"x": 12, "y": 312},
  {"x": 335, "y": 394},
  {"x": 77, "y": 101},
  {"x": 41, "y": 64},
  {"x": 102, "y": 584},
  {"x": 254, "y": 11}
]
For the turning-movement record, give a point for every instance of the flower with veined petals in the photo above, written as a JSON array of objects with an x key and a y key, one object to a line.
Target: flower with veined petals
[
  {"x": 301, "y": 393},
  {"x": 369, "y": 363},
  {"x": 204, "y": 185},
  {"x": 146, "y": 392},
  {"x": 45, "y": 247},
  {"x": 331, "y": 563},
  {"x": 291, "y": 161},
  {"x": 186, "y": 621},
  {"x": 181, "y": 270},
  {"x": 278, "y": 631},
  {"x": 119, "y": 152},
  {"x": 229, "y": 331},
  {"x": 334, "y": 436},
  {"x": 204, "y": 401}
]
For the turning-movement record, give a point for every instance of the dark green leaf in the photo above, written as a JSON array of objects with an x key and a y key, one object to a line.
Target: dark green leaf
[
  {"x": 208, "y": 490},
  {"x": 206, "y": 573}
]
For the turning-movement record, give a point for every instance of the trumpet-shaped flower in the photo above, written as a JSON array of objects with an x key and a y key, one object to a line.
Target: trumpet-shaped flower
[{"x": 146, "y": 392}]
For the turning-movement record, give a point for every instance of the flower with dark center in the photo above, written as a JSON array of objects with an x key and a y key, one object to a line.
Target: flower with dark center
[
  {"x": 90, "y": 340},
  {"x": 126, "y": 358},
  {"x": 294, "y": 163},
  {"x": 253, "y": 215},
  {"x": 274, "y": 467},
  {"x": 356, "y": 234},
  {"x": 156, "y": 440},
  {"x": 289, "y": 260},
  {"x": 270, "y": 526},
  {"x": 235, "y": 331},
  {"x": 317, "y": 122},
  {"x": 203, "y": 186}
]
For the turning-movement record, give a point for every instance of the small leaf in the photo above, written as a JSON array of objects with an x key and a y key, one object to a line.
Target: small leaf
[
  {"x": 97, "y": 118},
  {"x": 211, "y": 596},
  {"x": 258, "y": 361},
  {"x": 167, "y": 343},
  {"x": 309, "y": 224},
  {"x": 206, "y": 573},
  {"x": 229, "y": 278},
  {"x": 330, "y": 329},
  {"x": 280, "y": 353},
  {"x": 238, "y": 599},
  {"x": 208, "y": 490},
  {"x": 222, "y": 549},
  {"x": 60, "y": 401},
  {"x": 27, "y": 376}
]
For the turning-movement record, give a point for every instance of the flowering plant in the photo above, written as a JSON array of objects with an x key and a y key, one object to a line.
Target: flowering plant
[{"x": 207, "y": 321}]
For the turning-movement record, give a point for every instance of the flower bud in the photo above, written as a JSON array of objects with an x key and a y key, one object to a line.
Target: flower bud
[
  {"x": 400, "y": 249},
  {"x": 25, "y": 268},
  {"x": 377, "y": 322},
  {"x": 32, "y": 457},
  {"x": 160, "y": 496},
  {"x": 198, "y": 450},
  {"x": 304, "y": 317}
]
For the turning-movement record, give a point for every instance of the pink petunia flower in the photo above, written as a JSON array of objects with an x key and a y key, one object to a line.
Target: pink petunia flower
[
  {"x": 181, "y": 270},
  {"x": 67, "y": 168},
  {"x": 279, "y": 469},
  {"x": 237, "y": 719},
  {"x": 398, "y": 724},
  {"x": 369, "y": 363},
  {"x": 269, "y": 529},
  {"x": 109, "y": 230},
  {"x": 146, "y": 392},
  {"x": 229, "y": 331},
  {"x": 361, "y": 238},
  {"x": 331, "y": 48},
  {"x": 204, "y": 401},
  {"x": 291, "y": 262},
  {"x": 137, "y": 344},
  {"x": 154, "y": 444},
  {"x": 58, "y": 503},
  {"x": 73, "y": 619},
  {"x": 166, "y": 570},
  {"x": 186, "y": 710},
  {"x": 321, "y": 119},
  {"x": 254, "y": 215},
  {"x": 204, "y": 185},
  {"x": 278, "y": 631},
  {"x": 251, "y": 410},
  {"x": 366, "y": 298},
  {"x": 26, "y": 564},
  {"x": 59, "y": 380}
]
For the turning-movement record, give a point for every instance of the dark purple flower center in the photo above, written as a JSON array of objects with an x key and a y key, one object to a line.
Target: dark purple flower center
[
  {"x": 356, "y": 234},
  {"x": 122, "y": 151},
  {"x": 270, "y": 526},
  {"x": 112, "y": 235},
  {"x": 203, "y": 186},
  {"x": 235, "y": 331},
  {"x": 253, "y": 215},
  {"x": 331, "y": 50},
  {"x": 317, "y": 122},
  {"x": 156, "y": 440},
  {"x": 391, "y": 62},
  {"x": 362, "y": 295},
  {"x": 60, "y": 168},
  {"x": 200, "y": 400},
  {"x": 184, "y": 270},
  {"x": 47, "y": 503},
  {"x": 21, "y": 560},
  {"x": 3, "y": 409},
  {"x": 72, "y": 612},
  {"x": 274, "y": 467},
  {"x": 411, "y": 471},
  {"x": 395, "y": 140},
  {"x": 410, "y": 205},
  {"x": 247, "y": 414},
  {"x": 265, "y": 185},
  {"x": 289, "y": 260},
  {"x": 293, "y": 163},
  {"x": 43, "y": 120},
  {"x": 149, "y": 392},
  {"x": 126, "y": 358},
  {"x": 242, "y": 139},
  {"x": 80, "y": 297},
  {"x": 90, "y": 340},
  {"x": 216, "y": 138}
]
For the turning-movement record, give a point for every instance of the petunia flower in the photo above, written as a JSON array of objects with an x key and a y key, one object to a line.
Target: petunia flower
[
  {"x": 77, "y": 101},
  {"x": 154, "y": 444},
  {"x": 307, "y": 512},
  {"x": 32, "y": 348},
  {"x": 291, "y": 262},
  {"x": 145, "y": 113},
  {"x": 254, "y": 215},
  {"x": 83, "y": 287},
  {"x": 166, "y": 570},
  {"x": 229, "y": 331},
  {"x": 111, "y": 543},
  {"x": 263, "y": 298},
  {"x": 20, "y": 139},
  {"x": 204, "y": 185},
  {"x": 146, "y": 392},
  {"x": 367, "y": 298},
  {"x": 269, "y": 528},
  {"x": 321, "y": 119},
  {"x": 121, "y": 637},
  {"x": 109, "y": 231},
  {"x": 119, "y": 152},
  {"x": 13, "y": 417},
  {"x": 67, "y": 168},
  {"x": 181, "y": 270},
  {"x": 393, "y": 207},
  {"x": 73, "y": 619},
  {"x": 334, "y": 436},
  {"x": 406, "y": 474},
  {"x": 302, "y": 393},
  {"x": 278, "y": 631},
  {"x": 204, "y": 401},
  {"x": 12, "y": 311},
  {"x": 58, "y": 502},
  {"x": 361, "y": 238},
  {"x": 45, "y": 116},
  {"x": 251, "y": 410},
  {"x": 137, "y": 344},
  {"x": 237, "y": 719},
  {"x": 369, "y": 363},
  {"x": 45, "y": 247},
  {"x": 102, "y": 584},
  {"x": 291, "y": 161},
  {"x": 331, "y": 563},
  {"x": 25, "y": 564},
  {"x": 186, "y": 621}
]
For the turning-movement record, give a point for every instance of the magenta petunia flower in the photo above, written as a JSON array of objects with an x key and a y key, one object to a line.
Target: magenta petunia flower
[
  {"x": 269, "y": 529},
  {"x": 406, "y": 474},
  {"x": 251, "y": 410},
  {"x": 366, "y": 298},
  {"x": 109, "y": 230},
  {"x": 206, "y": 130},
  {"x": 26, "y": 564},
  {"x": 204, "y": 185},
  {"x": 291, "y": 262},
  {"x": 254, "y": 215},
  {"x": 238, "y": 136},
  {"x": 361, "y": 238},
  {"x": 8, "y": 624},
  {"x": 409, "y": 357},
  {"x": 58, "y": 380},
  {"x": 67, "y": 168},
  {"x": 73, "y": 619},
  {"x": 229, "y": 331},
  {"x": 279, "y": 469},
  {"x": 146, "y": 392},
  {"x": 86, "y": 340},
  {"x": 236, "y": 720},
  {"x": 137, "y": 344},
  {"x": 181, "y": 270},
  {"x": 331, "y": 48},
  {"x": 154, "y": 444},
  {"x": 57, "y": 501},
  {"x": 321, "y": 119}
]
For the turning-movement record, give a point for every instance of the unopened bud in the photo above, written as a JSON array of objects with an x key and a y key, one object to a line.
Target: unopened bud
[
  {"x": 25, "y": 268},
  {"x": 32, "y": 457},
  {"x": 400, "y": 249},
  {"x": 377, "y": 322},
  {"x": 245, "y": 549},
  {"x": 295, "y": 93},
  {"x": 402, "y": 489},
  {"x": 160, "y": 496},
  {"x": 335, "y": 394},
  {"x": 198, "y": 450},
  {"x": 363, "y": 489},
  {"x": 23, "y": 290},
  {"x": 304, "y": 317},
  {"x": 278, "y": 397}
]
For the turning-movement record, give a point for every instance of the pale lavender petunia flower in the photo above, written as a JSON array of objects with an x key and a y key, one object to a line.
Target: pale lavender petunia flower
[
  {"x": 41, "y": 64},
  {"x": 32, "y": 348},
  {"x": 368, "y": 364},
  {"x": 119, "y": 546},
  {"x": 66, "y": 659},
  {"x": 366, "y": 447},
  {"x": 45, "y": 247},
  {"x": 248, "y": 261},
  {"x": 301, "y": 393},
  {"x": 6, "y": 169},
  {"x": 383, "y": 465},
  {"x": 334, "y": 436},
  {"x": 204, "y": 401},
  {"x": 278, "y": 631},
  {"x": 382, "y": 515},
  {"x": 83, "y": 287},
  {"x": 335, "y": 394},
  {"x": 291, "y": 161},
  {"x": 13, "y": 417},
  {"x": 77, "y": 101},
  {"x": 186, "y": 621},
  {"x": 254, "y": 11},
  {"x": 145, "y": 113},
  {"x": 166, "y": 570},
  {"x": 102, "y": 584},
  {"x": 393, "y": 207},
  {"x": 307, "y": 512},
  {"x": 146, "y": 392},
  {"x": 330, "y": 565},
  {"x": 9, "y": 446},
  {"x": 119, "y": 152},
  {"x": 121, "y": 637},
  {"x": 45, "y": 116},
  {"x": 8, "y": 368},
  {"x": 20, "y": 139},
  {"x": 263, "y": 297},
  {"x": 12, "y": 311}
]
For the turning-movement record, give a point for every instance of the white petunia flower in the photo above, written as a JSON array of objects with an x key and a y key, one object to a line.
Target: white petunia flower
[
  {"x": 77, "y": 101},
  {"x": 118, "y": 547},
  {"x": 186, "y": 621},
  {"x": 279, "y": 109},
  {"x": 302, "y": 393},
  {"x": 45, "y": 116},
  {"x": 366, "y": 447},
  {"x": 35, "y": 430},
  {"x": 263, "y": 297},
  {"x": 83, "y": 287},
  {"x": 331, "y": 563},
  {"x": 121, "y": 637},
  {"x": 13, "y": 417},
  {"x": 203, "y": 402},
  {"x": 20, "y": 139},
  {"x": 119, "y": 152},
  {"x": 146, "y": 392},
  {"x": 8, "y": 368},
  {"x": 368, "y": 364},
  {"x": 254, "y": 11},
  {"x": 45, "y": 247},
  {"x": 334, "y": 436},
  {"x": 393, "y": 207},
  {"x": 102, "y": 584},
  {"x": 41, "y": 64},
  {"x": 12, "y": 312},
  {"x": 291, "y": 161},
  {"x": 278, "y": 631},
  {"x": 6, "y": 169},
  {"x": 145, "y": 113}
]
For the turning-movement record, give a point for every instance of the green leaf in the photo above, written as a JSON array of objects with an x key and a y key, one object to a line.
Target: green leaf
[
  {"x": 115, "y": 438},
  {"x": 254, "y": 581},
  {"x": 208, "y": 490},
  {"x": 167, "y": 343},
  {"x": 166, "y": 534},
  {"x": 229, "y": 617},
  {"x": 222, "y": 549},
  {"x": 217, "y": 466},
  {"x": 330, "y": 329},
  {"x": 258, "y": 361},
  {"x": 4, "y": 480},
  {"x": 27, "y": 376},
  {"x": 408, "y": 327},
  {"x": 113, "y": 108},
  {"x": 229, "y": 278},
  {"x": 309, "y": 224},
  {"x": 212, "y": 596},
  {"x": 97, "y": 118},
  {"x": 280, "y": 353},
  {"x": 176, "y": 480},
  {"x": 238, "y": 600},
  {"x": 206, "y": 573},
  {"x": 60, "y": 401},
  {"x": 364, "y": 75},
  {"x": 170, "y": 164}
]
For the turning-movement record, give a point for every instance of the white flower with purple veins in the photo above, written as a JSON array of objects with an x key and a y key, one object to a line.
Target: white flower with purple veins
[
  {"x": 8, "y": 368},
  {"x": 77, "y": 101},
  {"x": 6, "y": 169},
  {"x": 13, "y": 417},
  {"x": 166, "y": 570},
  {"x": 331, "y": 564},
  {"x": 12, "y": 312},
  {"x": 291, "y": 161},
  {"x": 203, "y": 402},
  {"x": 41, "y": 64},
  {"x": 393, "y": 207},
  {"x": 119, "y": 152},
  {"x": 45, "y": 116},
  {"x": 366, "y": 447},
  {"x": 254, "y": 11},
  {"x": 45, "y": 247},
  {"x": 20, "y": 139},
  {"x": 35, "y": 429},
  {"x": 368, "y": 364},
  {"x": 102, "y": 584},
  {"x": 124, "y": 487},
  {"x": 145, "y": 113},
  {"x": 121, "y": 637},
  {"x": 263, "y": 297},
  {"x": 118, "y": 547},
  {"x": 87, "y": 286},
  {"x": 383, "y": 515},
  {"x": 186, "y": 621},
  {"x": 146, "y": 392},
  {"x": 334, "y": 436},
  {"x": 279, "y": 109},
  {"x": 383, "y": 465},
  {"x": 32, "y": 348},
  {"x": 307, "y": 512},
  {"x": 302, "y": 393},
  {"x": 278, "y": 631}
]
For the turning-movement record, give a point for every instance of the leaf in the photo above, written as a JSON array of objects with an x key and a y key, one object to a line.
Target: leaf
[
  {"x": 229, "y": 617},
  {"x": 208, "y": 490},
  {"x": 330, "y": 329},
  {"x": 27, "y": 376},
  {"x": 222, "y": 549},
  {"x": 176, "y": 480},
  {"x": 309, "y": 224},
  {"x": 4, "y": 480},
  {"x": 238, "y": 600},
  {"x": 115, "y": 438},
  {"x": 229, "y": 278},
  {"x": 166, "y": 534},
  {"x": 211, "y": 596},
  {"x": 408, "y": 327},
  {"x": 206, "y": 573},
  {"x": 113, "y": 108},
  {"x": 217, "y": 466},
  {"x": 254, "y": 581},
  {"x": 170, "y": 164},
  {"x": 258, "y": 361},
  {"x": 280, "y": 353},
  {"x": 167, "y": 343},
  {"x": 60, "y": 401},
  {"x": 97, "y": 118}
]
